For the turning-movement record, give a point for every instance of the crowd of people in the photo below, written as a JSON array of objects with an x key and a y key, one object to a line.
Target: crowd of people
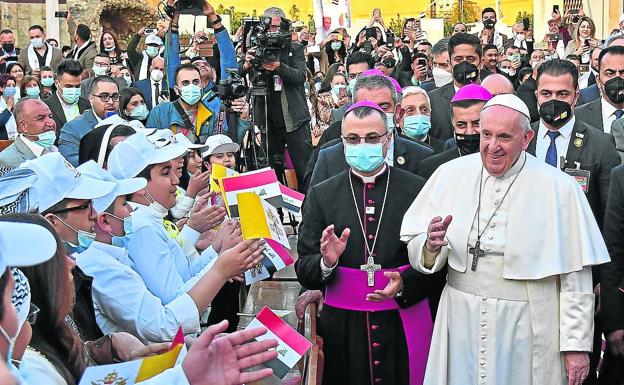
[{"x": 463, "y": 216}]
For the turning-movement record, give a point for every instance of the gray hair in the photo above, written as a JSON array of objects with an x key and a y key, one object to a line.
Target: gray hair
[
  {"x": 274, "y": 11},
  {"x": 374, "y": 82},
  {"x": 612, "y": 38},
  {"x": 440, "y": 47},
  {"x": 363, "y": 112},
  {"x": 525, "y": 121},
  {"x": 412, "y": 90}
]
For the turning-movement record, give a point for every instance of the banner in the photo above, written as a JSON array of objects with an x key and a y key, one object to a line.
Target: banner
[{"x": 338, "y": 11}]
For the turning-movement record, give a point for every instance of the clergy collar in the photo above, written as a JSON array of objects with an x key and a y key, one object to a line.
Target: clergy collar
[
  {"x": 512, "y": 171},
  {"x": 372, "y": 178}
]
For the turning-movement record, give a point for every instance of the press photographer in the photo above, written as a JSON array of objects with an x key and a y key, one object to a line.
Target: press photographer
[{"x": 278, "y": 64}]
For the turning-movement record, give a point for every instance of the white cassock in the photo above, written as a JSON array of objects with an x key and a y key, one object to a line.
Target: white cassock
[{"x": 531, "y": 296}]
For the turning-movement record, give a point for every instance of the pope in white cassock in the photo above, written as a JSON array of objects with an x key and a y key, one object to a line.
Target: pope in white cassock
[{"x": 520, "y": 239}]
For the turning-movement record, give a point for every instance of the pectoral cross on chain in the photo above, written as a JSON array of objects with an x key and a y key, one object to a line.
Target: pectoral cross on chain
[
  {"x": 477, "y": 253},
  {"x": 370, "y": 268}
]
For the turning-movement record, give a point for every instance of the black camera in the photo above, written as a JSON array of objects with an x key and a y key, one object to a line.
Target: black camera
[
  {"x": 61, "y": 14},
  {"x": 190, "y": 7},
  {"x": 231, "y": 88},
  {"x": 269, "y": 44}
]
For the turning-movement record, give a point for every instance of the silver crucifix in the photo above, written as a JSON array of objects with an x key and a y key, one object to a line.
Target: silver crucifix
[{"x": 370, "y": 268}]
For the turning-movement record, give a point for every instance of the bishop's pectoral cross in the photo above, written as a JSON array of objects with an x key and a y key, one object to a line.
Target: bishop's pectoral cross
[
  {"x": 370, "y": 268},
  {"x": 477, "y": 253}
]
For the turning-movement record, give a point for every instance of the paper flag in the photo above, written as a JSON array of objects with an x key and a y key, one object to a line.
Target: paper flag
[
  {"x": 259, "y": 219},
  {"x": 263, "y": 182},
  {"x": 129, "y": 373},
  {"x": 291, "y": 345},
  {"x": 219, "y": 172},
  {"x": 293, "y": 200},
  {"x": 275, "y": 258}
]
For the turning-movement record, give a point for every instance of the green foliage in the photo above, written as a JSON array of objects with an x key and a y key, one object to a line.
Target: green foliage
[
  {"x": 294, "y": 13},
  {"x": 396, "y": 25},
  {"x": 466, "y": 11},
  {"x": 236, "y": 17},
  {"x": 522, "y": 15}
]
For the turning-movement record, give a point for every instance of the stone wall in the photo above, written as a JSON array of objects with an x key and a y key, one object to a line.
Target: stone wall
[{"x": 18, "y": 16}]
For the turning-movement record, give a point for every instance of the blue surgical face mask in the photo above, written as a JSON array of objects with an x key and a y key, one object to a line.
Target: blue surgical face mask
[
  {"x": 46, "y": 139},
  {"x": 336, "y": 88},
  {"x": 9, "y": 91},
  {"x": 33, "y": 92},
  {"x": 85, "y": 238},
  {"x": 71, "y": 95},
  {"x": 47, "y": 82},
  {"x": 416, "y": 126},
  {"x": 100, "y": 71},
  {"x": 364, "y": 157},
  {"x": 109, "y": 49},
  {"x": 151, "y": 51},
  {"x": 352, "y": 86},
  {"x": 139, "y": 113},
  {"x": 190, "y": 93},
  {"x": 336, "y": 45},
  {"x": 390, "y": 121},
  {"x": 122, "y": 241},
  {"x": 128, "y": 80}
]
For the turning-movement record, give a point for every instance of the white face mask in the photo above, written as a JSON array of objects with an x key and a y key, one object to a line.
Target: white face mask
[
  {"x": 157, "y": 208},
  {"x": 441, "y": 77},
  {"x": 157, "y": 75}
]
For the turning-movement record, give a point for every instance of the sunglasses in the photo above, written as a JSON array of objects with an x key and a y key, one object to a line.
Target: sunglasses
[{"x": 77, "y": 208}]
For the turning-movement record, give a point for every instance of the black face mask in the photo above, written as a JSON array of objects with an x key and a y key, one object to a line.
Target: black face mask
[
  {"x": 614, "y": 89},
  {"x": 465, "y": 73},
  {"x": 305, "y": 43},
  {"x": 489, "y": 24},
  {"x": 555, "y": 112},
  {"x": 468, "y": 144},
  {"x": 8, "y": 47}
]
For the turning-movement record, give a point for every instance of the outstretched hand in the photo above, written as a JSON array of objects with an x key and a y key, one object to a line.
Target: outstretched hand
[
  {"x": 392, "y": 288},
  {"x": 436, "y": 232},
  {"x": 332, "y": 247}
]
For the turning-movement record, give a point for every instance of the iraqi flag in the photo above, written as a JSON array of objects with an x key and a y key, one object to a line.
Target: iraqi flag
[
  {"x": 263, "y": 182},
  {"x": 293, "y": 200},
  {"x": 291, "y": 346},
  {"x": 275, "y": 257}
]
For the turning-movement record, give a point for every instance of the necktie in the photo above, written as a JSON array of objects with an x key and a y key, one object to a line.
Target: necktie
[
  {"x": 618, "y": 113},
  {"x": 156, "y": 92},
  {"x": 551, "y": 154}
]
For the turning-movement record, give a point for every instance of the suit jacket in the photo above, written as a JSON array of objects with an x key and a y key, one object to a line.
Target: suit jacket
[
  {"x": 85, "y": 86},
  {"x": 57, "y": 57},
  {"x": 588, "y": 94},
  {"x": 478, "y": 34},
  {"x": 526, "y": 92},
  {"x": 617, "y": 130},
  {"x": 16, "y": 154},
  {"x": 72, "y": 132},
  {"x": 435, "y": 144},
  {"x": 441, "y": 125},
  {"x": 612, "y": 273},
  {"x": 331, "y": 161},
  {"x": 430, "y": 165},
  {"x": 595, "y": 151},
  {"x": 4, "y": 65},
  {"x": 87, "y": 56},
  {"x": 58, "y": 114},
  {"x": 591, "y": 114},
  {"x": 145, "y": 86}
]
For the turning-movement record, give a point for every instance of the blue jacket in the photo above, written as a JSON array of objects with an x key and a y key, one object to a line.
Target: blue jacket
[{"x": 72, "y": 132}]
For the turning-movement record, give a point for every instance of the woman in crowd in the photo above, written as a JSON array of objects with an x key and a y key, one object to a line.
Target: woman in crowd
[
  {"x": 98, "y": 143},
  {"x": 8, "y": 128},
  {"x": 333, "y": 50},
  {"x": 126, "y": 75},
  {"x": 332, "y": 95},
  {"x": 46, "y": 78},
  {"x": 109, "y": 44},
  {"x": 584, "y": 40},
  {"x": 53, "y": 42},
  {"x": 132, "y": 105},
  {"x": 17, "y": 71},
  {"x": 30, "y": 87}
]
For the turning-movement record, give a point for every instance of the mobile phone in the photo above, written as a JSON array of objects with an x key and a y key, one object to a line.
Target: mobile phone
[
  {"x": 164, "y": 93},
  {"x": 390, "y": 39},
  {"x": 525, "y": 23},
  {"x": 573, "y": 12},
  {"x": 342, "y": 93},
  {"x": 61, "y": 14},
  {"x": 516, "y": 56},
  {"x": 149, "y": 31},
  {"x": 586, "y": 43},
  {"x": 376, "y": 12},
  {"x": 583, "y": 68},
  {"x": 371, "y": 32},
  {"x": 311, "y": 26},
  {"x": 555, "y": 8},
  {"x": 556, "y": 36},
  {"x": 421, "y": 62},
  {"x": 10, "y": 58}
]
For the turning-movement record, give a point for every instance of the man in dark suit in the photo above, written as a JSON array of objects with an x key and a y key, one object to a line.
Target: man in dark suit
[
  {"x": 84, "y": 50},
  {"x": 8, "y": 49},
  {"x": 65, "y": 103},
  {"x": 578, "y": 149},
  {"x": 101, "y": 67},
  {"x": 588, "y": 94},
  {"x": 601, "y": 113},
  {"x": 465, "y": 53},
  {"x": 612, "y": 283},
  {"x": 466, "y": 114},
  {"x": 152, "y": 87},
  {"x": 489, "y": 35}
]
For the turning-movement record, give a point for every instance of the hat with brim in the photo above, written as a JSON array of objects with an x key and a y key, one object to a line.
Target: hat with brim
[
  {"x": 218, "y": 144},
  {"x": 24, "y": 244},
  {"x": 122, "y": 186},
  {"x": 167, "y": 145}
]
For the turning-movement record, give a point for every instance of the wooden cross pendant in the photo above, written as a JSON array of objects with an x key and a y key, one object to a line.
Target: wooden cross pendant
[
  {"x": 370, "y": 268},
  {"x": 477, "y": 253}
]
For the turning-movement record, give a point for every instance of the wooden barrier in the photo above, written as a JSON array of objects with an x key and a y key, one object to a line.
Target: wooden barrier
[{"x": 5, "y": 143}]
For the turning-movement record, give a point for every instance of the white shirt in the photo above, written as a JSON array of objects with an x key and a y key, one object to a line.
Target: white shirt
[
  {"x": 77, "y": 51},
  {"x": 608, "y": 115},
  {"x": 122, "y": 302},
  {"x": 562, "y": 141},
  {"x": 390, "y": 152},
  {"x": 32, "y": 146}
]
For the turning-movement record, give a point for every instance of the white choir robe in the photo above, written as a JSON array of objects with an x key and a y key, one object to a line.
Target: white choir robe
[{"x": 531, "y": 297}]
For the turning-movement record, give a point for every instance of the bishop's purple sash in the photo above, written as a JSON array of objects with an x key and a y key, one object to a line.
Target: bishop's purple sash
[{"x": 348, "y": 291}]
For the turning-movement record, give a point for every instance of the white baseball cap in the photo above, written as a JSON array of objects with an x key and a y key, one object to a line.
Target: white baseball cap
[
  {"x": 218, "y": 144},
  {"x": 122, "y": 186},
  {"x": 133, "y": 155},
  {"x": 24, "y": 244},
  {"x": 180, "y": 137},
  {"x": 57, "y": 179},
  {"x": 165, "y": 139},
  {"x": 153, "y": 39}
]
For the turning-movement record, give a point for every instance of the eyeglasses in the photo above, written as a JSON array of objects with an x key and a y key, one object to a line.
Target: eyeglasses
[
  {"x": 32, "y": 314},
  {"x": 106, "y": 97},
  {"x": 372, "y": 138},
  {"x": 76, "y": 208}
]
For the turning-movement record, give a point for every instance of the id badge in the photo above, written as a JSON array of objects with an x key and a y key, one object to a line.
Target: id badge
[{"x": 581, "y": 177}]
